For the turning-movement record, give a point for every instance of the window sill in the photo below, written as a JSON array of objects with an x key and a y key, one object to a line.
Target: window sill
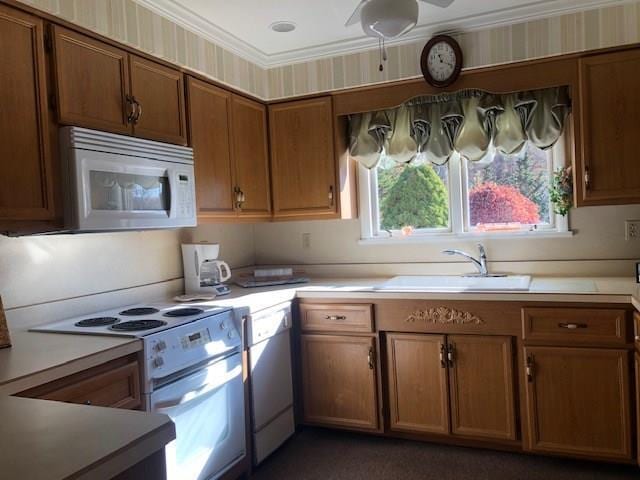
[{"x": 439, "y": 237}]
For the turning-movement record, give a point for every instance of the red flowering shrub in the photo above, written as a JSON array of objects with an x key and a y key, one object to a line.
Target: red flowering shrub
[{"x": 492, "y": 203}]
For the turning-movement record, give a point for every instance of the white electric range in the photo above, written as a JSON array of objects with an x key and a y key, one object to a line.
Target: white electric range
[{"x": 192, "y": 372}]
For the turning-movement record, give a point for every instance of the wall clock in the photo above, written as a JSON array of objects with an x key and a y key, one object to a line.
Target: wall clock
[{"x": 441, "y": 61}]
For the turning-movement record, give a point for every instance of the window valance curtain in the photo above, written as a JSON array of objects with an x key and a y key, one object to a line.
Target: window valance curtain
[{"x": 473, "y": 123}]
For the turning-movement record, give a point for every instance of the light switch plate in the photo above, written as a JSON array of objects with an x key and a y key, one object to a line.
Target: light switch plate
[{"x": 632, "y": 229}]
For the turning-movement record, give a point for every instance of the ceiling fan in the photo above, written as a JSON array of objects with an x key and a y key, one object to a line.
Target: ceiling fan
[{"x": 388, "y": 19}]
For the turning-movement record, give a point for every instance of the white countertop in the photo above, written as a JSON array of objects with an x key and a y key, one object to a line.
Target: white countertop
[{"x": 46, "y": 440}]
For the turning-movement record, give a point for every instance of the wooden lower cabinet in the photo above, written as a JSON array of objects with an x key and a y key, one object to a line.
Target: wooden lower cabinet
[
  {"x": 418, "y": 393},
  {"x": 468, "y": 378},
  {"x": 481, "y": 386},
  {"x": 115, "y": 384},
  {"x": 578, "y": 402},
  {"x": 637, "y": 370},
  {"x": 338, "y": 378}
]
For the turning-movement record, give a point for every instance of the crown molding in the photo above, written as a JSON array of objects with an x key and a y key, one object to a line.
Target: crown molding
[{"x": 497, "y": 18}]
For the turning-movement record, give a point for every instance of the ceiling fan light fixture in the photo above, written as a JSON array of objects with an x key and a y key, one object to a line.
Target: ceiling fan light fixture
[{"x": 389, "y": 19}]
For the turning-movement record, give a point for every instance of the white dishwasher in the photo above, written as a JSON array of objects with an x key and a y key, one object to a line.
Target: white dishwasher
[{"x": 271, "y": 379}]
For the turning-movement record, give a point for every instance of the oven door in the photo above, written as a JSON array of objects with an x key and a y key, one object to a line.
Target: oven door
[
  {"x": 117, "y": 192},
  {"x": 207, "y": 408}
]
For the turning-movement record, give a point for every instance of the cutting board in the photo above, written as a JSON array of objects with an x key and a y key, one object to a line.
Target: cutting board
[{"x": 5, "y": 341}]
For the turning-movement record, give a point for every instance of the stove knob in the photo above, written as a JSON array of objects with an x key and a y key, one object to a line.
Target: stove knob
[
  {"x": 158, "y": 362},
  {"x": 222, "y": 326},
  {"x": 160, "y": 346},
  {"x": 231, "y": 334}
]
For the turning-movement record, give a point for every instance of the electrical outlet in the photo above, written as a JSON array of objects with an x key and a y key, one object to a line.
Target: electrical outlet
[
  {"x": 306, "y": 240},
  {"x": 632, "y": 230}
]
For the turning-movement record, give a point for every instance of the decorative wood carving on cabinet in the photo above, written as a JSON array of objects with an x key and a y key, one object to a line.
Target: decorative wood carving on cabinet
[
  {"x": 578, "y": 402},
  {"x": 102, "y": 87},
  {"x": 303, "y": 163},
  {"x": 114, "y": 384},
  {"x": 443, "y": 315},
  {"x": 27, "y": 179},
  {"x": 610, "y": 111},
  {"x": 229, "y": 139}
]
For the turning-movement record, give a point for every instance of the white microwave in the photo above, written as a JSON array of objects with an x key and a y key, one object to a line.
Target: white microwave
[{"x": 116, "y": 182}]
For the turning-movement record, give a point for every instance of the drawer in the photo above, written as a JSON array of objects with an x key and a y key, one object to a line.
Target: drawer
[
  {"x": 336, "y": 318},
  {"x": 575, "y": 326},
  {"x": 108, "y": 385}
]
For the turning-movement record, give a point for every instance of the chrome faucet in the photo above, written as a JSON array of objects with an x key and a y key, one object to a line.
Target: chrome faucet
[{"x": 480, "y": 263}]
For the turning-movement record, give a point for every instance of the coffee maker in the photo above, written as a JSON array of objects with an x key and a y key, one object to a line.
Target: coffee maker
[{"x": 203, "y": 272}]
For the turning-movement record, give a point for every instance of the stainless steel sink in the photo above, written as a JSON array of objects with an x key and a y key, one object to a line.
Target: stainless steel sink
[{"x": 450, "y": 283}]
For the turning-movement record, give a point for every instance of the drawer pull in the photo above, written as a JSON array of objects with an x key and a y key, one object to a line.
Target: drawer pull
[
  {"x": 335, "y": 317},
  {"x": 572, "y": 326}
]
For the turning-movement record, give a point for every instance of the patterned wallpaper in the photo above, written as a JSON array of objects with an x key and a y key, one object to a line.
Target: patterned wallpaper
[{"x": 130, "y": 23}]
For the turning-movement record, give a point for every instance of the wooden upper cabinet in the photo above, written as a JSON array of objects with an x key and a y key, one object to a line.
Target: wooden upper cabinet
[
  {"x": 26, "y": 176},
  {"x": 578, "y": 402},
  {"x": 303, "y": 164},
  {"x": 250, "y": 153},
  {"x": 339, "y": 381},
  {"x": 418, "y": 392},
  {"x": 159, "y": 94},
  {"x": 482, "y": 387},
  {"x": 209, "y": 129},
  {"x": 610, "y": 119},
  {"x": 92, "y": 80}
]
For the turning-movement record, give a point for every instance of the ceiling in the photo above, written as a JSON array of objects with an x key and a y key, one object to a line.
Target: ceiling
[{"x": 242, "y": 26}]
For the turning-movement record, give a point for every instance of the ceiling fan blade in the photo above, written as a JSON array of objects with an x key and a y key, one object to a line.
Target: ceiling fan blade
[
  {"x": 439, "y": 3},
  {"x": 355, "y": 16}
]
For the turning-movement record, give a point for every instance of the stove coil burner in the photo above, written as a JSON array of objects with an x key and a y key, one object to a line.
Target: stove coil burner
[
  {"x": 140, "y": 311},
  {"x": 137, "y": 325},
  {"x": 97, "y": 322},
  {"x": 183, "y": 312}
]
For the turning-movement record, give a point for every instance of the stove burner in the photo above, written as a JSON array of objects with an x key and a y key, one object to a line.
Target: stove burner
[
  {"x": 97, "y": 322},
  {"x": 140, "y": 311},
  {"x": 136, "y": 325},
  {"x": 183, "y": 312}
]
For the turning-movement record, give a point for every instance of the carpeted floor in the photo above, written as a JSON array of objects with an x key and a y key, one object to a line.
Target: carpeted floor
[{"x": 317, "y": 454}]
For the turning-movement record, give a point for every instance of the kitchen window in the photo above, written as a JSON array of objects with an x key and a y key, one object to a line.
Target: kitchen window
[{"x": 500, "y": 195}]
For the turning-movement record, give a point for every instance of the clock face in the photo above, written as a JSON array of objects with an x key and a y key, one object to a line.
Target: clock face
[{"x": 441, "y": 61}]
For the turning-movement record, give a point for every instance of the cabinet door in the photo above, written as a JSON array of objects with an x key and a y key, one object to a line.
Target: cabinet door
[
  {"x": 339, "y": 381},
  {"x": 26, "y": 181},
  {"x": 610, "y": 103},
  {"x": 159, "y": 94},
  {"x": 418, "y": 395},
  {"x": 250, "y": 153},
  {"x": 637, "y": 370},
  {"x": 481, "y": 383},
  {"x": 92, "y": 80},
  {"x": 209, "y": 128},
  {"x": 578, "y": 401},
  {"x": 302, "y": 158}
]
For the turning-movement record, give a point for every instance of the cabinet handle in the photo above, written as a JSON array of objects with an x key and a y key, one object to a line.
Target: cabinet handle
[
  {"x": 443, "y": 363},
  {"x": 572, "y": 326},
  {"x": 587, "y": 178},
  {"x": 529, "y": 369},
  {"x": 370, "y": 358},
  {"x": 335, "y": 317},
  {"x": 132, "y": 107},
  {"x": 330, "y": 195},
  {"x": 450, "y": 354},
  {"x": 139, "y": 109},
  {"x": 637, "y": 338},
  {"x": 240, "y": 198},
  {"x": 87, "y": 402}
]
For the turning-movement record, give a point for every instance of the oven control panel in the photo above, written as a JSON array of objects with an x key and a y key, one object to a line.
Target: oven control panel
[{"x": 180, "y": 348}]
